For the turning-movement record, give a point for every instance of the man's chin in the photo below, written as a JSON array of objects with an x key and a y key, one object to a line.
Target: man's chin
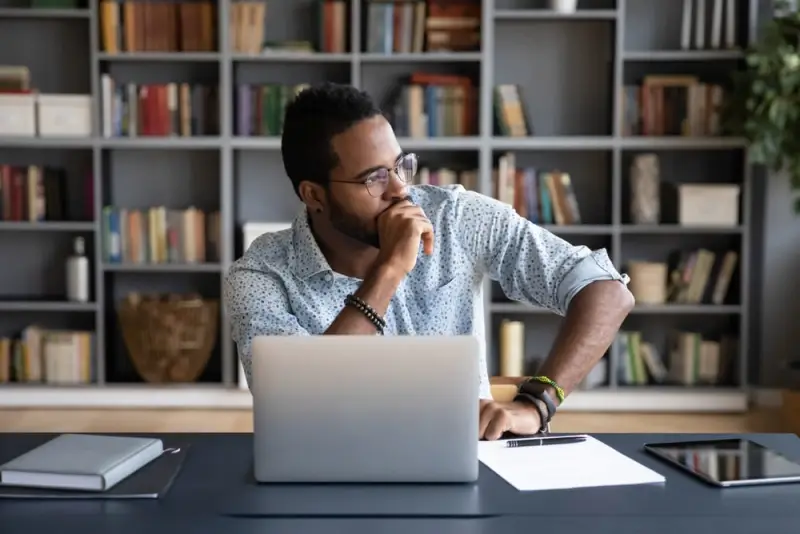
[{"x": 368, "y": 240}]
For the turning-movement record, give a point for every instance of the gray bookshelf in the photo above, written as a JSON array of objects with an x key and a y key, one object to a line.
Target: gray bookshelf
[{"x": 570, "y": 67}]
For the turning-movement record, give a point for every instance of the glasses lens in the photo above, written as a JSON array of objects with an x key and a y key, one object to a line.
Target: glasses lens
[
  {"x": 376, "y": 183},
  {"x": 407, "y": 168}
]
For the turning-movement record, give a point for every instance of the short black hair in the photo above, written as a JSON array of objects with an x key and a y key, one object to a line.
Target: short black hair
[{"x": 312, "y": 119}]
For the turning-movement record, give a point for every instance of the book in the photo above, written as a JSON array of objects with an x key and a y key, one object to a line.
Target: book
[
  {"x": 86, "y": 462},
  {"x": 152, "y": 481}
]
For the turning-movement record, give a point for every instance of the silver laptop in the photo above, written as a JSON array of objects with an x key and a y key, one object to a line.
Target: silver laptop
[{"x": 365, "y": 408}]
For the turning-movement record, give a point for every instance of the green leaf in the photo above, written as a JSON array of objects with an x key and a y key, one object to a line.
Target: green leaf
[{"x": 763, "y": 105}]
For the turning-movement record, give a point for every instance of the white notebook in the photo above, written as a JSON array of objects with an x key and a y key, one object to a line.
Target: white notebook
[
  {"x": 590, "y": 463},
  {"x": 81, "y": 462}
]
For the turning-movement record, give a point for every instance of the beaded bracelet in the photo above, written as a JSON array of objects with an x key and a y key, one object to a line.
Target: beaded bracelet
[
  {"x": 545, "y": 380},
  {"x": 367, "y": 310}
]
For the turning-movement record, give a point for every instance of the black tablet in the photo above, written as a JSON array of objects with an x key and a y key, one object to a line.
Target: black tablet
[{"x": 728, "y": 462}]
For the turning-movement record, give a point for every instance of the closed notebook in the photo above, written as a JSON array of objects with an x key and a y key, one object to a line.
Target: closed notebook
[{"x": 81, "y": 462}]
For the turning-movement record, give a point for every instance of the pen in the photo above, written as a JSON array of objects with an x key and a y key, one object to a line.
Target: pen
[{"x": 535, "y": 442}]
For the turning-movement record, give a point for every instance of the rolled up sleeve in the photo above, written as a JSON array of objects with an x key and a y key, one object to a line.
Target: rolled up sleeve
[
  {"x": 531, "y": 264},
  {"x": 596, "y": 266}
]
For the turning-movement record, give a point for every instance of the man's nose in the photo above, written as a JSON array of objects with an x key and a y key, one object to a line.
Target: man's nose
[{"x": 396, "y": 188}]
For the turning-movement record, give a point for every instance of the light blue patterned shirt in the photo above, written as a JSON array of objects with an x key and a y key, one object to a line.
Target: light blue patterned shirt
[{"x": 283, "y": 284}]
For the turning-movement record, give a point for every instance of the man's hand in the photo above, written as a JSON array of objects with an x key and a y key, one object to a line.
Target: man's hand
[
  {"x": 401, "y": 228},
  {"x": 499, "y": 417}
]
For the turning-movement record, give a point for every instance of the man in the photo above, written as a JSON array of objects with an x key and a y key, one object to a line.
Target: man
[{"x": 371, "y": 254}]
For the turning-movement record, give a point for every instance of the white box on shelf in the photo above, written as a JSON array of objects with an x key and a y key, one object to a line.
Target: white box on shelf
[
  {"x": 65, "y": 115},
  {"x": 18, "y": 115},
  {"x": 708, "y": 204},
  {"x": 253, "y": 230}
]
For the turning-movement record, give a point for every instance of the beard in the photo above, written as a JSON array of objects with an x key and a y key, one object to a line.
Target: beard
[{"x": 352, "y": 226}]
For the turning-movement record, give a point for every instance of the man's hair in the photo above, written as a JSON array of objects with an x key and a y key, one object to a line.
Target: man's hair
[{"x": 312, "y": 119}]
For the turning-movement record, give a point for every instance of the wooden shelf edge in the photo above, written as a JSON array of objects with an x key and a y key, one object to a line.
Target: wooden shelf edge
[{"x": 209, "y": 397}]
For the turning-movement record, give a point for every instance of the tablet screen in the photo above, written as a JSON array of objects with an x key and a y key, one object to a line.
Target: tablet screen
[{"x": 728, "y": 461}]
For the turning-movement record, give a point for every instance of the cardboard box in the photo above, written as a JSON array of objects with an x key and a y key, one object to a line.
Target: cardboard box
[
  {"x": 708, "y": 204},
  {"x": 18, "y": 115}
]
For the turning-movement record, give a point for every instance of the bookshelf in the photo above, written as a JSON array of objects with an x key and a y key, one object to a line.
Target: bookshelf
[{"x": 572, "y": 69}]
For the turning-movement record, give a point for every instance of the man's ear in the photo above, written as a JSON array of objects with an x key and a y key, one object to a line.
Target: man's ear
[{"x": 313, "y": 196}]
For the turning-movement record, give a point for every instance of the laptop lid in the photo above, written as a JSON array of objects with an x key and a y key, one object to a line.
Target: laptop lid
[{"x": 365, "y": 408}]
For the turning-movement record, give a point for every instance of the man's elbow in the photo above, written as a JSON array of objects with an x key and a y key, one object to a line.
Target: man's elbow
[
  {"x": 612, "y": 296},
  {"x": 618, "y": 296}
]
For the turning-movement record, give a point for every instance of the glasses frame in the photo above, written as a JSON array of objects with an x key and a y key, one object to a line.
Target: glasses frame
[{"x": 369, "y": 177}]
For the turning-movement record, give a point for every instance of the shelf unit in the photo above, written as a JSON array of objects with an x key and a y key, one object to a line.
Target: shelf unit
[{"x": 571, "y": 68}]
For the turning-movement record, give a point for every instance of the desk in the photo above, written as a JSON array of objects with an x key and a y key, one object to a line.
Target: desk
[
  {"x": 216, "y": 479},
  {"x": 201, "y": 524}
]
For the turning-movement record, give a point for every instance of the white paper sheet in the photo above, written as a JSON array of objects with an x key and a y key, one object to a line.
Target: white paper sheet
[{"x": 591, "y": 463}]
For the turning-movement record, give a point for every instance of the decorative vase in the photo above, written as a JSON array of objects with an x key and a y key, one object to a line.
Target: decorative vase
[
  {"x": 645, "y": 180},
  {"x": 564, "y": 6}
]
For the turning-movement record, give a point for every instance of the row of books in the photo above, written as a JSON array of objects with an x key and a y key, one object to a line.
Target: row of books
[
  {"x": 418, "y": 26},
  {"x": 158, "y": 26},
  {"x": 701, "y": 276},
  {"x": 435, "y": 105},
  {"x": 709, "y": 26},
  {"x": 260, "y": 108},
  {"x": 690, "y": 359},
  {"x": 541, "y": 196},
  {"x": 160, "y": 235},
  {"x": 249, "y": 18},
  {"x": 510, "y": 116},
  {"x": 48, "y": 356},
  {"x": 34, "y": 193},
  {"x": 170, "y": 109},
  {"x": 445, "y": 176},
  {"x": 672, "y": 105}
]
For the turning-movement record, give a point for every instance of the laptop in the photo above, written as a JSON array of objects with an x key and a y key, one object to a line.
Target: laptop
[{"x": 365, "y": 409}]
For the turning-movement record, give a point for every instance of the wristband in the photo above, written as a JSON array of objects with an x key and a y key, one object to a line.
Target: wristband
[
  {"x": 537, "y": 390},
  {"x": 545, "y": 380},
  {"x": 367, "y": 310},
  {"x": 544, "y": 420}
]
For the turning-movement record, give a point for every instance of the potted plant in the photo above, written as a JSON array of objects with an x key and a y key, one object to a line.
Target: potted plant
[{"x": 764, "y": 105}]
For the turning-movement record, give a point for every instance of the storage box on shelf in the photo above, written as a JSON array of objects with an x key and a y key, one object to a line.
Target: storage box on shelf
[
  {"x": 709, "y": 204},
  {"x": 65, "y": 115},
  {"x": 17, "y": 115},
  {"x": 45, "y": 115}
]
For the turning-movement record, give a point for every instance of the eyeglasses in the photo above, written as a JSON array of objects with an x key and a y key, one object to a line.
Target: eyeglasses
[{"x": 377, "y": 180}]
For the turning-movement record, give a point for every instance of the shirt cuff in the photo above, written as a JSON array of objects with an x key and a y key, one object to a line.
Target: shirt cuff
[{"x": 596, "y": 266}]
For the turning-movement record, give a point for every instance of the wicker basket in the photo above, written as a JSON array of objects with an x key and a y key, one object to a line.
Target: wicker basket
[{"x": 169, "y": 337}]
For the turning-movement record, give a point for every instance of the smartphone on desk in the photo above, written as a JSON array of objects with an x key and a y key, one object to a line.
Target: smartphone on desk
[{"x": 728, "y": 462}]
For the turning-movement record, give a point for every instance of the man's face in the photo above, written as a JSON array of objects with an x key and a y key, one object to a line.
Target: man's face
[{"x": 353, "y": 208}]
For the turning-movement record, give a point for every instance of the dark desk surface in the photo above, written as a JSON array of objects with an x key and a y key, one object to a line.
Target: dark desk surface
[
  {"x": 200, "y": 524},
  {"x": 217, "y": 480}
]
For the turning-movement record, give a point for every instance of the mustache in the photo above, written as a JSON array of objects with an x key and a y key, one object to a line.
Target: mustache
[
  {"x": 395, "y": 201},
  {"x": 403, "y": 199}
]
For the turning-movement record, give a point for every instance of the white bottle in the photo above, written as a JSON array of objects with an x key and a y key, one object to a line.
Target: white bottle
[
  {"x": 564, "y": 6},
  {"x": 78, "y": 273}
]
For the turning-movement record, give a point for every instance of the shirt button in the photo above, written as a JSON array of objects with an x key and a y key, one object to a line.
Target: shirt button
[{"x": 328, "y": 278}]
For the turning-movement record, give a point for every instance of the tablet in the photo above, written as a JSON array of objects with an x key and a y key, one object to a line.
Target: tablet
[{"x": 728, "y": 462}]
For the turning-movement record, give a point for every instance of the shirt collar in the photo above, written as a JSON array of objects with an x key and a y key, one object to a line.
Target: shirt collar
[{"x": 308, "y": 258}]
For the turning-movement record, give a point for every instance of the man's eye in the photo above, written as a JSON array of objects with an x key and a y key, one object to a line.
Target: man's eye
[{"x": 376, "y": 177}]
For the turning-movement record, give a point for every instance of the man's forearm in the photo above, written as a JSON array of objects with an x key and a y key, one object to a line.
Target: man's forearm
[
  {"x": 377, "y": 290},
  {"x": 594, "y": 317}
]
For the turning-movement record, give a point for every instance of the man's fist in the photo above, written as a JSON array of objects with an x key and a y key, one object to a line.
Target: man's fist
[
  {"x": 401, "y": 229},
  {"x": 499, "y": 417}
]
